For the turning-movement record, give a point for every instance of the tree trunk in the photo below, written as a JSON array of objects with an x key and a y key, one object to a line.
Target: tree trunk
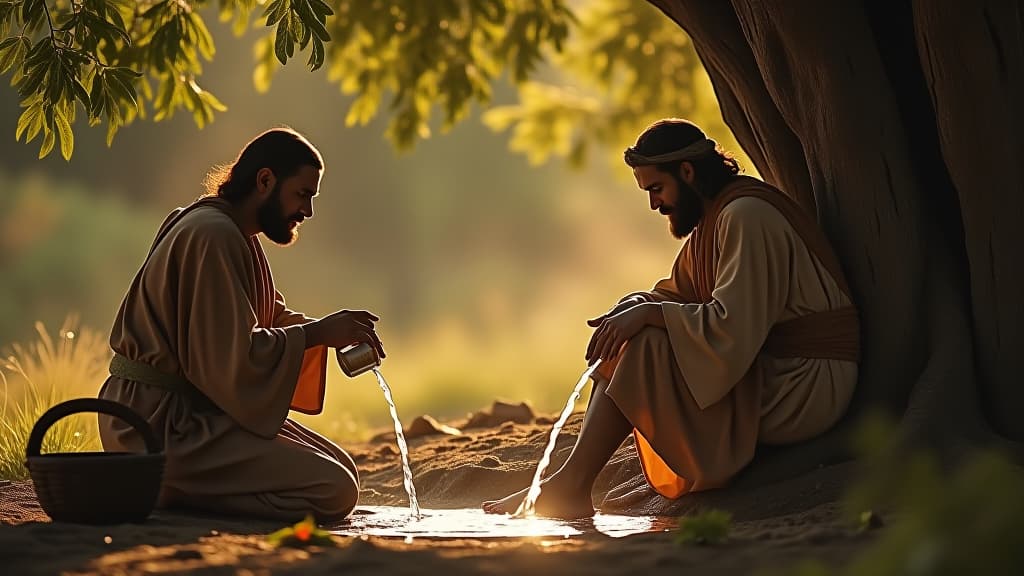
[{"x": 896, "y": 123}]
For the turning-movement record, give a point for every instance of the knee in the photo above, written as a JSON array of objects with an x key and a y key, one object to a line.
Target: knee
[
  {"x": 649, "y": 336},
  {"x": 338, "y": 496},
  {"x": 348, "y": 463}
]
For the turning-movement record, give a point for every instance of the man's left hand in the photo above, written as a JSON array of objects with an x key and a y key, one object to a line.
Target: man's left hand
[{"x": 616, "y": 330}]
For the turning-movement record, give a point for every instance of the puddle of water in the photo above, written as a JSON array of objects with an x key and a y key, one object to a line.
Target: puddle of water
[{"x": 394, "y": 522}]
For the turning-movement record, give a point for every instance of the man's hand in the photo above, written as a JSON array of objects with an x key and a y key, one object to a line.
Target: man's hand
[
  {"x": 614, "y": 331},
  {"x": 622, "y": 306},
  {"x": 342, "y": 328}
]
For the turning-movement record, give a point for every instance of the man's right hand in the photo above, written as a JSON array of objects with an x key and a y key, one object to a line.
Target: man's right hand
[
  {"x": 624, "y": 304},
  {"x": 343, "y": 328}
]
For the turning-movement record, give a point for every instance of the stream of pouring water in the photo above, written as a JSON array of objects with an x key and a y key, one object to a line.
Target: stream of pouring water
[
  {"x": 410, "y": 489},
  {"x": 527, "y": 508}
]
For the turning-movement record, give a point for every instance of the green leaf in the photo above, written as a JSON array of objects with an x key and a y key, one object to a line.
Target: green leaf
[
  {"x": 30, "y": 115},
  {"x": 868, "y": 520},
  {"x": 57, "y": 80},
  {"x": 266, "y": 64},
  {"x": 302, "y": 32},
  {"x": 113, "y": 108},
  {"x": 303, "y": 533},
  {"x": 96, "y": 97},
  {"x": 12, "y": 51},
  {"x": 8, "y": 44},
  {"x": 361, "y": 111},
  {"x": 165, "y": 99},
  {"x": 212, "y": 102},
  {"x": 7, "y": 15},
  {"x": 32, "y": 80},
  {"x": 48, "y": 141},
  {"x": 204, "y": 41},
  {"x": 275, "y": 11},
  {"x": 156, "y": 11},
  {"x": 312, "y": 21},
  {"x": 281, "y": 42},
  {"x": 112, "y": 127},
  {"x": 316, "y": 55},
  {"x": 80, "y": 92},
  {"x": 115, "y": 19},
  {"x": 33, "y": 12},
  {"x": 321, "y": 9},
  {"x": 119, "y": 84},
  {"x": 711, "y": 527},
  {"x": 67, "y": 137}
]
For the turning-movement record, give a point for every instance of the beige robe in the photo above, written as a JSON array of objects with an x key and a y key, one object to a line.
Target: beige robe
[
  {"x": 203, "y": 307},
  {"x": 703, "y": 392}
]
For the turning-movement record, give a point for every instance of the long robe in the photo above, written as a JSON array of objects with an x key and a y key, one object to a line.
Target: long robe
[
  {"x": 704, "y": 391},
  {"x": 203, "y": 307}
]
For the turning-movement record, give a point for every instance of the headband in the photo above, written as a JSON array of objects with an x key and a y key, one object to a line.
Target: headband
[{"x": 698, "y": 148}]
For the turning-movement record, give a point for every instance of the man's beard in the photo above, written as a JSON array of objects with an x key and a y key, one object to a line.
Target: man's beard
[
  {"x": 274, "y": 224},
  {"x": 688, "y": 210}
]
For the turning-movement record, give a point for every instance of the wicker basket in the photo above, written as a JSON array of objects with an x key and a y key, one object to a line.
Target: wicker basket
[{"x": 95, "y": 487}]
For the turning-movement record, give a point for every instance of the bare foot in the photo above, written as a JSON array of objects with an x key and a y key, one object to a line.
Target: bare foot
[
  {"x": 556, "y": 500},
  {"x": 506, "y": 505}
]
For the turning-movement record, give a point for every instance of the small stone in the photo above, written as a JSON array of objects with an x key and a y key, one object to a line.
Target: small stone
[
  {"x": 384, "y": 437},
  {"x": 490, "y": 462},
  {"x": 499, "y": 413},
  {"x": 519, "y": 413},
  {"x": 427, "y": 426}
]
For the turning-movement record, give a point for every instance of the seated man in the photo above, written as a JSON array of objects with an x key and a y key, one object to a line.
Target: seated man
[
  {"x": 753, "y": 338},
  {"x": 207, "y": 352}
]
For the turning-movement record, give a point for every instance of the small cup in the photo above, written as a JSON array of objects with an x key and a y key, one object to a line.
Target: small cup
[{"x": 355, "y": 359}]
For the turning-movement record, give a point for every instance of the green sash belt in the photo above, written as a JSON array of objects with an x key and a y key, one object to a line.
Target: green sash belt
[{"x": 143, "y": 373}]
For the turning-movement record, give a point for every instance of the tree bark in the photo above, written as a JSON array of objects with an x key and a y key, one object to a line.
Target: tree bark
[
  {"x": 870, "y": 115},
  {"x": 972, "y": 56}
]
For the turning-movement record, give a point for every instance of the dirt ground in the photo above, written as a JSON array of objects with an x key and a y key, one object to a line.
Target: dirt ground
[{"x": 774, "y": 527}]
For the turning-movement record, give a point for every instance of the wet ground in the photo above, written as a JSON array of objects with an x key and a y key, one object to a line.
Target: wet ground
[{"x": 397, "y": 522}]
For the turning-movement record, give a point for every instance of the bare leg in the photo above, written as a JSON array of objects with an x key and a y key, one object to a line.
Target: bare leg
[{"x": 566, "y": 493}]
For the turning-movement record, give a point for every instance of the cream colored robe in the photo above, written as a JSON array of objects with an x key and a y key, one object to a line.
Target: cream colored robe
[
  {"x": 204, "y": 307},
  {"x": 678, "y": 386}
]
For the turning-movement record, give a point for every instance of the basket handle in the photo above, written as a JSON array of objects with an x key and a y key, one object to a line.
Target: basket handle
[{"x": 78, "y": 405}]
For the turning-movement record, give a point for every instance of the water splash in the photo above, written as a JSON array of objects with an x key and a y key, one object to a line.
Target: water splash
[
  {"x": 410, "y": 489},
  {"x": 527, "y": 507}
]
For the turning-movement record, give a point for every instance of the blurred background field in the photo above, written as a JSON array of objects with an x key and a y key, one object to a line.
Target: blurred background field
[{"x": 482, "y": 264}]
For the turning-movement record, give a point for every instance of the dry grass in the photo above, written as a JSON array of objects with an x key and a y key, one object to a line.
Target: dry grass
[{"x": 38, "y": 375}]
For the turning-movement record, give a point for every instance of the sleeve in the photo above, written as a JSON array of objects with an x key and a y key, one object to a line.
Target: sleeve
[
  {"x": 283, "y": 316},
  {"x": 716, "y": 343},
  {"x": 248, "y": 371},
  {"x": 311, "y": 387},
  {"x": 655, "y": 295}
]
